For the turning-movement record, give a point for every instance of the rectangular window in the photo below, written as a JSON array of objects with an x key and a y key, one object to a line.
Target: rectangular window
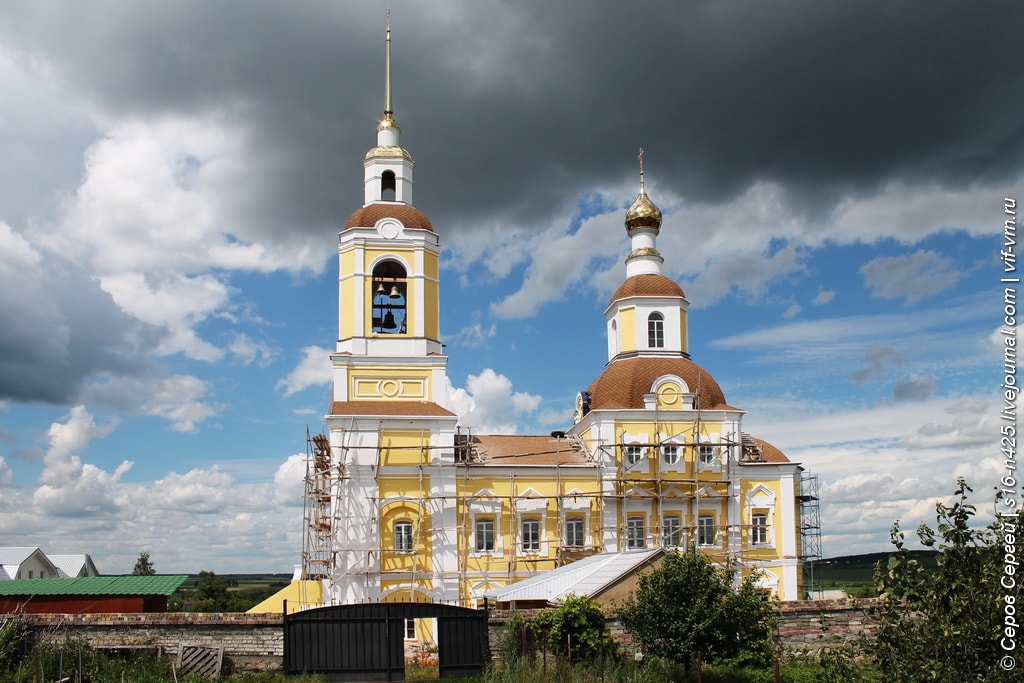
[
  {"x": 634, "y": 454},
  {"x": 484, "y": 535},
  {"x": 403, "y": 535},
  {"x": 655, "y": 331},
  {"x": 531, "y": 535},
  {"x": 706, "y": 454},
  {"x": 574, "y": 532},
  {"x": 670, "y": 454},
  {"x": 635, "y": 533},
  {"x": 410, "y": 629},
  {"x": 759, "y": 528},
  {"x": 706, "y": 530},
  {"x": 671, "y": 532}
]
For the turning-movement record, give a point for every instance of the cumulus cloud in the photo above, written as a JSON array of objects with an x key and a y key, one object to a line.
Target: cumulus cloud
[
  {"x": 823, "y": 297},
  {"x": 489, "y": 405},
  {"x": 68, "y": 486},
  {"x": 877, "y": 361},
  {"x": 912, "y": 277},
  {"x": 180, "y": 399},
  {"x": 916, "y": 388},
  {"x": 289, "y": 481},
  {"x": 313, "y": 370}
]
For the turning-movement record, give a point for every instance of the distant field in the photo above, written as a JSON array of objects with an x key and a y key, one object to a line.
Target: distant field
[{"x": 855, "y": 573}]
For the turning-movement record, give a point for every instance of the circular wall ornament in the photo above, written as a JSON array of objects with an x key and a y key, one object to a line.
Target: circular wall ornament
[
  {"x": 389, "y": 388},
  {"x": 389, "y": 228}
]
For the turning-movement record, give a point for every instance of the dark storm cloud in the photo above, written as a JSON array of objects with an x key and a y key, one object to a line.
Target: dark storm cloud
[
  {"x": 512, "y": 110},
  {"x": 63, "y": 329}
]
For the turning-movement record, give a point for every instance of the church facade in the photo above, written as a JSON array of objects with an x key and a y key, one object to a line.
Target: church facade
[{"x": 404, "y": 505}]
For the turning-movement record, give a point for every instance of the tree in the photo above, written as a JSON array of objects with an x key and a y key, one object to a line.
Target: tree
[
  {"x": 576, "y": 628},
  {"x": 143, "y": 566},
  {"x": 211, "y": 593},
  {"x": 945, "y": 623},
  {"x": 687, "y": 605}
]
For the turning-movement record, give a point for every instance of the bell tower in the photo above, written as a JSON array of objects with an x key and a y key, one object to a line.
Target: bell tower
[
  {"x": 390, "y": 388},
  {"x": 389, "y": 342}
]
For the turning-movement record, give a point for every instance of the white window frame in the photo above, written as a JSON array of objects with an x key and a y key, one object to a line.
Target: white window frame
[
  {"x": 759, "y": 533},
  {"x": 633, "y": 541},
  {"x": 666, "y": 450},
  {"x": 656, "y": 330},
  {"x": 632, "y": 454},
  {"x": 761, "y": 500},
  {"x": 701, "y": 526},
  {"x": 400, "y": 537},
  {"x": 478, "y": 522},
  {"x": 527, "y": 545},
  {"x": 410, "y": 629},
  {"x": 482, "y": 505},
  {"x": 667, "y": 530},
  {"x": 575, "y": 538}
]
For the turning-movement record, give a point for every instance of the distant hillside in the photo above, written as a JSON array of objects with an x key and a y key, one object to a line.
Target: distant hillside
[{"x": 855, "y": 573}]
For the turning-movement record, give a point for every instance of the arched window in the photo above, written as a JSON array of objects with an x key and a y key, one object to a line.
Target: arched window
[
  {"x": 387, "y": 186},
  {"x": 403, "y": 535},
  {"x": 389, "y": 298},
  {"x": 656, "y": 330}
]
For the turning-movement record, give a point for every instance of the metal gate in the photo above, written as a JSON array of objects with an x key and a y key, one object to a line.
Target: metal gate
[{"x": 365, "y": 642}]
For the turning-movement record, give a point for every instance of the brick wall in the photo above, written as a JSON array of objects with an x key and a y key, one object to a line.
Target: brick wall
[{"x": 250, "y": 642}]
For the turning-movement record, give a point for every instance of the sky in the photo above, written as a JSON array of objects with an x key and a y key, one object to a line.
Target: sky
[{"x": 174, "y": 177}]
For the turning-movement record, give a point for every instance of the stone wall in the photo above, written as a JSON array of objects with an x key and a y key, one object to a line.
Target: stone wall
[
  {"x": 803, "y": 625},
  {"x": 814, "y": 625},
  {"x": 256, "y": 642},
  {"x": 250, "y": 642}
]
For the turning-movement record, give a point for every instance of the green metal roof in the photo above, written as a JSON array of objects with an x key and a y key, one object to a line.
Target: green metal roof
[{"x": 94, "y": 585}]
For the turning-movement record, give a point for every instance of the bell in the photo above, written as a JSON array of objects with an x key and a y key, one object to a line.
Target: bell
[
  {"x": 389, "y": 321},
  {"x": 395, "y": 294},
  {"x": 380, "y": 288}
]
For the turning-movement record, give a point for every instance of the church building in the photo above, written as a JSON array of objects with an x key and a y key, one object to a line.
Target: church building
[{"x": 405, "y": 505}]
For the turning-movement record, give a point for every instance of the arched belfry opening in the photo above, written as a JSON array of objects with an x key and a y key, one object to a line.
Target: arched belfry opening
[
  {"x": 387, "y": 186},
  {"x": 389, "y": 291}
]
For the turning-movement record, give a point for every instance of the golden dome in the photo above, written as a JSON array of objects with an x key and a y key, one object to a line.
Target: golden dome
[
  {"x": 643, "y": 213},
  {"x": 388, "y": 122}
]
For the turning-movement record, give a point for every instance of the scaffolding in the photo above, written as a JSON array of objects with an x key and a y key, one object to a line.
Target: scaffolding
[
  {"x": 698, "y": 485},
  {"x": 810, "y": 530},
  {"x": 318, "y": 542}
]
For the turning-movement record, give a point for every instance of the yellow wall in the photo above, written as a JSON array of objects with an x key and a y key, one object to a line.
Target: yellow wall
[
  {"x": 374, "y": 383},
  {"x": 627, "y": 330}
]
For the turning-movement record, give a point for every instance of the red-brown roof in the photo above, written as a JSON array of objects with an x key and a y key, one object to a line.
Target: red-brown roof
[
  {"x": 514, "y": 449},
  {"x": 646, "y": 285},
  {"x": 769, "y": 453},
  {"x": 625, "y": 381},
  {"x": 368, "y": 216},
  {"x": 418, "y": 408}
]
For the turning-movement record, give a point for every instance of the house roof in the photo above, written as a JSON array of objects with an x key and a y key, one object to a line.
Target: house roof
[
  {"x": 94, "y": 585},
  {"x": 12, "y": 557},
  {"x": 587, "y": 577},
  {"x": 74, "y": 565},
  {"x": 16, "y": 554},
  {"x": 515, "y": 449}
]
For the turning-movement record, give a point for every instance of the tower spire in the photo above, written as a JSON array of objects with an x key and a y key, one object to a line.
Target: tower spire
[
  {"x": 640, "y": 158},
  {"x": 388, "y": 112}
]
